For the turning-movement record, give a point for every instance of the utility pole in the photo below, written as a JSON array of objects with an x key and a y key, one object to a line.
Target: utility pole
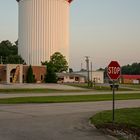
[
  {"x": 81, "y": 65},
  {"x": 91, "y": 74},
  {"x": 29, "y": 59},
  {"x": 87, "y": 63}
]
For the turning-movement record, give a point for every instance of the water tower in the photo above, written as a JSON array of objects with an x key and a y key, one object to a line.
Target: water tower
[{"x": 43, "y": 29}]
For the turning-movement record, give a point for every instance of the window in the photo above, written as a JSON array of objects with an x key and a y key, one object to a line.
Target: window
[
  {"x": 77, "y": 78},
  {"x": 23, "y": 77},
  {"x": 71, "y": 77},
  {"x": 41, "y": 77}
]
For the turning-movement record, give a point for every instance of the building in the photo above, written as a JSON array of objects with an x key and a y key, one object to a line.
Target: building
[
  {"x": 17, "y": 73},
  {"x": 130, "y": 79},
  {"x": 95, "y": 76},
  {"x": 70, "y": 78},
  {"x": 43, "y": 29}
]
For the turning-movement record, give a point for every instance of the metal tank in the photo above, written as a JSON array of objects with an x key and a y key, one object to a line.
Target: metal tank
[{"x": 43, "y": 29}]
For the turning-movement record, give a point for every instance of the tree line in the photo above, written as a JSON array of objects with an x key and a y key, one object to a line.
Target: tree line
[
  {"x": 9, "y": 53},
  {"x": 56, "y": 64},
  {"x": 133, "y": 69},
  {"x": 129, "y": 69}
]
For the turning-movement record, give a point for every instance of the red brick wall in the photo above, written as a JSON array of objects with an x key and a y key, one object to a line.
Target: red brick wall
[
  {"x": 2, "y": 73},
  {"x": 38, "y": 71}
]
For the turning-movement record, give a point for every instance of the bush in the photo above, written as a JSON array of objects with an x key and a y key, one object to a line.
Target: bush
[
  {"x": 51, "y": 75},
  {"x": 30, "y": 76}
]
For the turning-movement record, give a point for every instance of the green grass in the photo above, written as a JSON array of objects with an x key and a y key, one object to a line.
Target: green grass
[
  {"x": 105, "y": 88},
  {"x": 71, "y": 98},
  {"x": 35, "y": 90},
  {"x": 97, "y": 88},
  {"x": 127, "y": 120},
  {"x": 81, "y": 85},
  {"x": 131, "y": 85},
  {"x": 122, "y": 116}
]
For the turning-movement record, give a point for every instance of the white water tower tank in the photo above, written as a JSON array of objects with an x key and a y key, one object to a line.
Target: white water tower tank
[{"x": 43, "y": 29}]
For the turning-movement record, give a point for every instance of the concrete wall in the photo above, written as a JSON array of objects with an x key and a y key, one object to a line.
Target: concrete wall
[
  {"x": 98, "y": 76},
  {"x": 9, "y": 68},
  {"x": 72, "y": 79},
  {"x": 2, "y": 73}
]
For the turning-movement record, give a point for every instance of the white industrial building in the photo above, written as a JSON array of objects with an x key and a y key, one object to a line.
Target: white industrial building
[
  {"x": 43, "y": 29},
  {"x": 70, "y": 78},
  {"x": 96, "y": 76},
  {"x": 81, "y": 77}
]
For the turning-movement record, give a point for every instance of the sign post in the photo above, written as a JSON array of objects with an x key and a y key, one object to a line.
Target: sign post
[
  {"x": 113, "y": 72},
  {"x": 113, "y": 114}
]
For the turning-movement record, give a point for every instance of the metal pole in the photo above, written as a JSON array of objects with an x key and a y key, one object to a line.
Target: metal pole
[
  {"x": 87, "y": 61},
  {"x": 29, "y": 59},
  {"x": 81, "y": 65},
  {"x": 113, "y": 113},
  {"x": 91, "y": 75}
]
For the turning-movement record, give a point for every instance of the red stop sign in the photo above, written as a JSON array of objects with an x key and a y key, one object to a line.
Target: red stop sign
[{"x": 114, "y": 70}]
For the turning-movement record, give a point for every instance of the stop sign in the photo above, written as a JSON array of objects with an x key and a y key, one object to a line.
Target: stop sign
[{"x": 114, "y": 70}]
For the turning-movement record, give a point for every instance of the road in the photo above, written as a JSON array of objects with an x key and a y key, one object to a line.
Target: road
[{"x": 61, "y": 121}]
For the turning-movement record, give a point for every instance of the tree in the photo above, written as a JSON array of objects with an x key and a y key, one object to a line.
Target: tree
[
  {"x": 30, "y": 76},
  {"x": 9, "y": 52},
  {"x": 101, "y": 69},
  {"x": 70, "y": 70},
  {"x": 5, "y": 47},
  {"x": 59, "y": 62},
  {"x": 14, "y": 59},
  {"x": 83, "y": 70},
  {"x": 44, "y": 63},
  {"x": 51, "y": 75},
  {"x": 131, "y": 69}
]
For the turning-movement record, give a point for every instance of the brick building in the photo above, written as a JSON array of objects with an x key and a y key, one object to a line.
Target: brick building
[
  {"x": 16, "y": 73},
  {"x": 130, "y": 79}
]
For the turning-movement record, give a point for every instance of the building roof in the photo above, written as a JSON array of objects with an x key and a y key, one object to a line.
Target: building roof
[
  {"x": 66, "y": 0},
  {"x": 130, "y": 76}
]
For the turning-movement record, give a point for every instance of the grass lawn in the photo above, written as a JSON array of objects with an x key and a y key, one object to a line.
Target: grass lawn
[
  {"x": 97, "y": 87},
  {"x": 105, "y": 88},
  {"x": 44, "y": 90},
  {"x": 70, "y": 98},
  {"x": 132, "y": 85},
  {"x": 125, "y": 119},
  {"x": 40, "y": 90}
]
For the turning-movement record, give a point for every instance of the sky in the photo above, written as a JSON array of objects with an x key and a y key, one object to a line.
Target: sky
[{"x": 104, "y": 30}]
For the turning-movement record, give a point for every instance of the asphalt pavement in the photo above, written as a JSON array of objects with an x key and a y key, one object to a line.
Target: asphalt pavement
[{"x": 61, "y": 121}]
